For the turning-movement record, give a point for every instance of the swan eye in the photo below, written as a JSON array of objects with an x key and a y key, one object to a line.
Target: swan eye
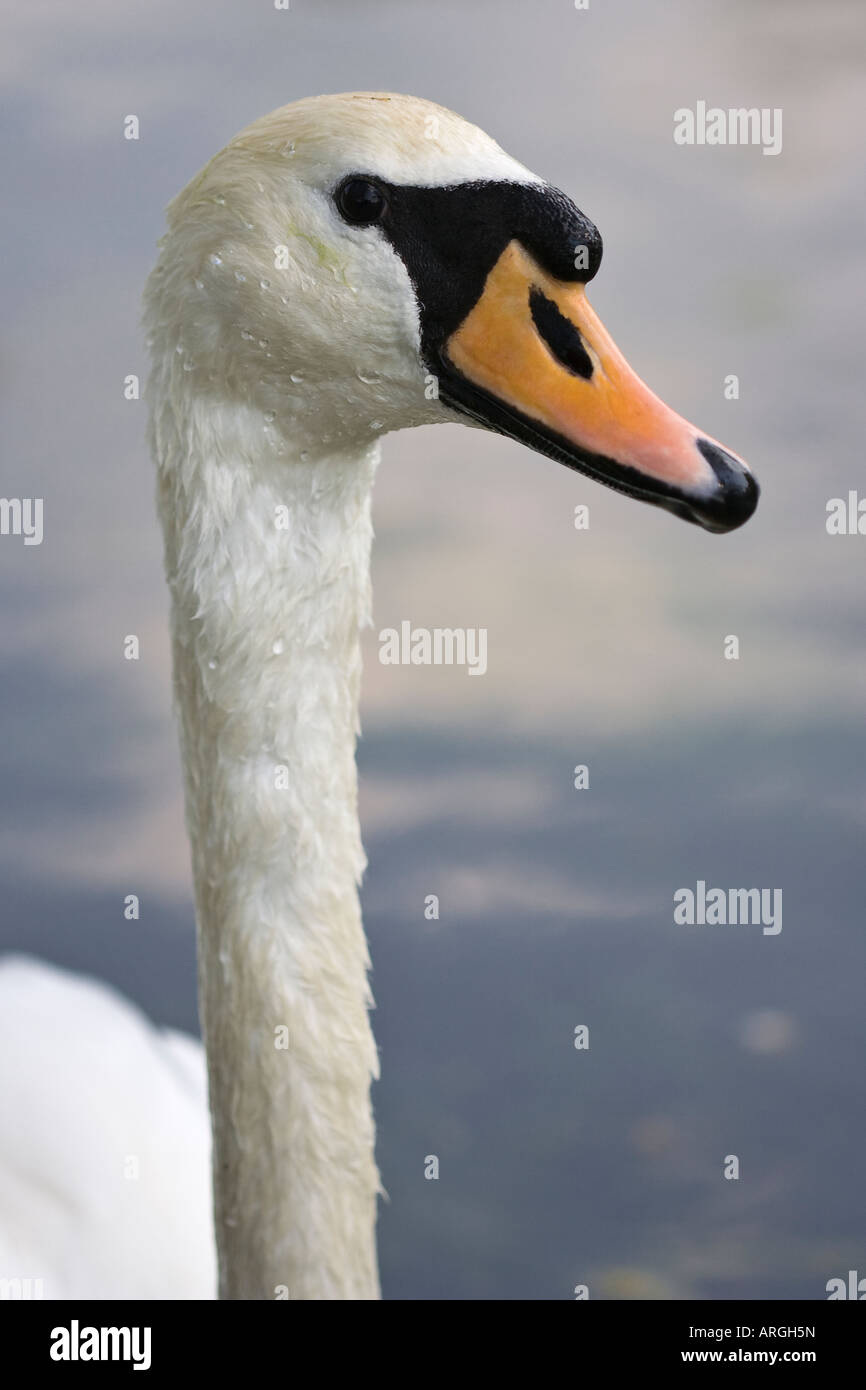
[{"x": 361, "y": 201}]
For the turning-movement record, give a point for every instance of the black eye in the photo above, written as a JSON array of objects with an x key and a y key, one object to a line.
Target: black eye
[{"x": 361, "y": 201}]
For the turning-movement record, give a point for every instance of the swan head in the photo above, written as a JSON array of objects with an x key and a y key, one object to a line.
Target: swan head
[{"x": 351, "y": 265}]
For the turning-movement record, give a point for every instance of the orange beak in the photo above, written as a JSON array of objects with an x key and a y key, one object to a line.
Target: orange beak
[{"x": 532, "y": 359}]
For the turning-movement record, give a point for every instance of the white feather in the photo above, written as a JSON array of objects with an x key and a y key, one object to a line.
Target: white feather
[{"x": 104, "y": 1174}]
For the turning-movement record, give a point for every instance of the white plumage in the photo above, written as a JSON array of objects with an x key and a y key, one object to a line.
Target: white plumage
[{"x": 104, "y": 1172}]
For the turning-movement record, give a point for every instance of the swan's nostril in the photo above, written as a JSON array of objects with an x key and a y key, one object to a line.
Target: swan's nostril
[
  {"x": 560, "y": 334},
  {"x": 738, "y": 495}
]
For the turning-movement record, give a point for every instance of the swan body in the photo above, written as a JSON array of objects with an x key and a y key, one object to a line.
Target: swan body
[
  {"x": 345, "y": 267},
  {"x": 105, "y": 1172}
]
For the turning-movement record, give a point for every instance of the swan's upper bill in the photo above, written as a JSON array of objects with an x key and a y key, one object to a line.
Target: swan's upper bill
[{"x": 354, "y": 264}]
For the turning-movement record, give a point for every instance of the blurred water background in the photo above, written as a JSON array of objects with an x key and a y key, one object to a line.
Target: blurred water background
[{"x": 558, "y": 1167}]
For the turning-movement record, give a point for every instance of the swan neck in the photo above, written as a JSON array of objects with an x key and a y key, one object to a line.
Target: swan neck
[{"x": 268, "y": 553}]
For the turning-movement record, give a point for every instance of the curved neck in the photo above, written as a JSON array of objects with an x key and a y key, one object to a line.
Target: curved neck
[{"x": 267, "y": 555}]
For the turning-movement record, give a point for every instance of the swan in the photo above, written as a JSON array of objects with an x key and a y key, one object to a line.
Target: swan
[
  {"x": 346, "y": 266},
  {"x": 104, "y": 1168}
]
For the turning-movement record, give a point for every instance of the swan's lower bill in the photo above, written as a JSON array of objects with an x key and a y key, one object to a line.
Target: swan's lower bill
[{"x": 533, "y": 360}]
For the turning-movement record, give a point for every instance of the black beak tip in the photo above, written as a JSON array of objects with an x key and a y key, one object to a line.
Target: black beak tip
[{"x": 737, "y": 496}]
